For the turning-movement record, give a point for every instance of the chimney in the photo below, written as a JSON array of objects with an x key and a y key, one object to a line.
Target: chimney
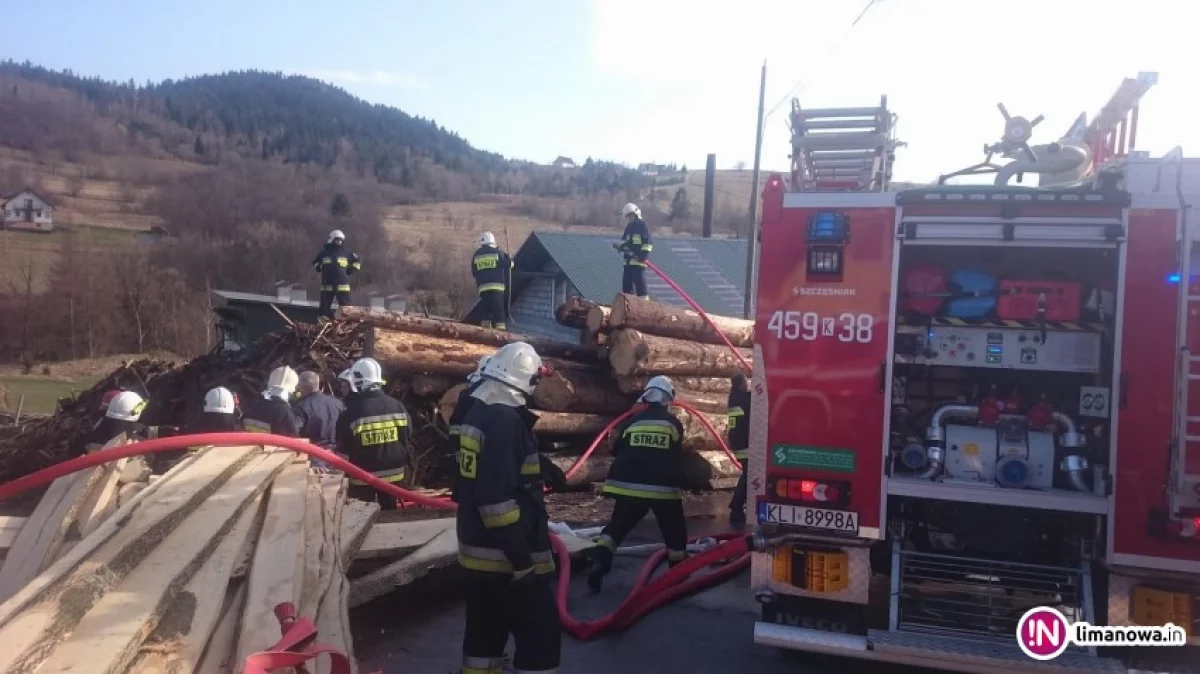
[
  {"x": 375, "y": 301},
  {"x": 299, "y": 293},
  {"x": 397, "y": 303},
  {"x": 283, "y": 292}
]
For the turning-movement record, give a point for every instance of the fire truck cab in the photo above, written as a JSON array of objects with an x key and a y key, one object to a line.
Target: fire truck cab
[{"x": 969, "y": 401}]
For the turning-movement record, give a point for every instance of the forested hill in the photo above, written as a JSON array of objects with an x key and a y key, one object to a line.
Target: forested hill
[{"x": 283, "y": 117}]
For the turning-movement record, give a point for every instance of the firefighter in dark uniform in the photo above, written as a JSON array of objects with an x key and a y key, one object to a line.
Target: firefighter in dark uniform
[
  {"x": 739, "y": 443},
  {"x": 492, "y": 269},
  {"x": 502, "y": 525},
  {"x": 122, "y": 416},
  {"x": 218, "y": 415},
  {"x": 462, "y": 405},
  {"x": 335, "y": 264},
  {"x": 635, "y": 246},
  {"x": 646, "y": 472},
  {"x": 374, "y": 433},
  {"x": 272, "y": 412}
]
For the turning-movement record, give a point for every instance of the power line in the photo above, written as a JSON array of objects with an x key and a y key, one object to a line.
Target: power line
[{"x": 849, "y": 29}]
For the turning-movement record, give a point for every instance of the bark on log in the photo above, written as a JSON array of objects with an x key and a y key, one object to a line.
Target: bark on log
[
  {"x": 713, "y": 403},
  {"x": 452, "y": 330},
  {"x": 415, "y": 353},
  {"x": 595, "y": 469},
  {"x": 597, "y": 319},
  {"x": 549, "y": 423},
  {"x": 634, "y": 353},
  {"x": 717, "y": 386},
  {"x": 655, "y": 318},
  {"x": 431, "y": 385},
  {"x": 573, "y": 313},
  {"x": 700, "y": 468},
  {"x": 580, "y": 392},
  {"x": 696, "y": 437}
]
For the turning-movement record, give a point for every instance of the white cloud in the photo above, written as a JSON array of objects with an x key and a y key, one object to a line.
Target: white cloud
[{"x": 385, "y": 78}]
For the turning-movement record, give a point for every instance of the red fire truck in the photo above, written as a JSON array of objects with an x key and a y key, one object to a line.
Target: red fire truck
[{"x": 971, "y": 400}]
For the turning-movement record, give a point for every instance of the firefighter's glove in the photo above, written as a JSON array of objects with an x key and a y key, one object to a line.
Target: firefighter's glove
[
  {"x": 523, "y": 577},
  {"x": 616, "y": 246}
]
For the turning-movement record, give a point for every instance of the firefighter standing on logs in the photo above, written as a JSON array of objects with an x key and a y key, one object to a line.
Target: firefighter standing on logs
[
  {"x": 635, "y": 246},
  {"x": 492, "y": 269},
  {"x": 739, "y": 443},
  {"x": 646, "y": 472},
  {"x": 335, "y": 264},
  {"x": 374, "y": 433},
  {"x": 272, "y": 412},
  {"x": 502, "y": 525}
]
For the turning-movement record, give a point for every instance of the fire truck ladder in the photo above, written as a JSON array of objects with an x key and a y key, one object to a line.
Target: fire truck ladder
[
  {"x": 842, "y": 149},
  {"x": 1184, "y": 487}
]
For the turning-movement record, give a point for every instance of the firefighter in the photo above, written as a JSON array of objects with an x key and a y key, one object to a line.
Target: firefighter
[
  {"x": 502, "y": 525},
  {"x": 739, "y": 443},
  {"x": 645, "y": 476},
  {"x": 122, "y": 416},
  {"x": 335, "y": 264},
  {"x": 635, "y": 246},
  {"x": 462, "y": 405},
  {"x": 492, "y": 269},
  {"x": 373, "y": 433},
  {"x": 344, "y": 388},
  {"x": 218, "y": 415},
  {"x": 272, "y": 413}
]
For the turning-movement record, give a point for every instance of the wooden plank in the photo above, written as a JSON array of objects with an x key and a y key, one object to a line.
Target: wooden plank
[
  {"x": 333, "y": 493},
  {"x": 39, "y": 533},
  {"x": 51, "y": 577},
  {"x": 357, "y": 519},
  {"x": 273, "y": 572},
  {"x": 392, "y": 539},
  {"x": 25, "y": 639},
  {"x": 177, "y": 643},
  {"x": 308, "y": 567},
  {"x": 69, "y": 529},
  {"x": 221, "y": 649},
  {"x": 103, "y": 501},
  {"x": 440, "y": 552},
  {"x": 332, "y": 618},
  {"x": 10, "y": 527},
  {"x": 109, "y": 635}
]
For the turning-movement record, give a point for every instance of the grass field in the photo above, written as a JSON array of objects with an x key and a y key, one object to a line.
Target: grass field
[{"x": 41, "y": 393}]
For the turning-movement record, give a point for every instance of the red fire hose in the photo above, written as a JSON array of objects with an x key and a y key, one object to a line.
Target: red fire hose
[
  {"x": 642, "y": 599},
  {"x": 703, "y": 314}
]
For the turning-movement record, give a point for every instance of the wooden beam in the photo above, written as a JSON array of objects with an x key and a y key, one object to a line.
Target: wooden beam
[
  {"x": 103, "y": 500},
  {"x": 272, "y": 579},
  {"x": 221, "y": 649},
  {"x": 110, "y": 633},
  {"x": 42, "y": 624},
  {"x": 10, "y": 527},
  {"x": 332, "y": 618},
  {"x": 440, "y": 552},
  {"x": 392, "y": 539},
  {"x": 33, "y": 543},
  {"x": 357, "y": 519},
  {"x": 308, "y": 565}
]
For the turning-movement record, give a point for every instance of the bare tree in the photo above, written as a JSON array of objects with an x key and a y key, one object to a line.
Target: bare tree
[{"x": 136, "y": 279}]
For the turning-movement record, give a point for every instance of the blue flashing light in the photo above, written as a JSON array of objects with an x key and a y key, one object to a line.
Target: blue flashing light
[
  {"x": 1173, "y": 278},
  {"x": 827, "y": 227}
]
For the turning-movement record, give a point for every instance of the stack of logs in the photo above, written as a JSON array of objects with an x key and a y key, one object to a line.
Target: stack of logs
[{"x": 620, "y": 348}]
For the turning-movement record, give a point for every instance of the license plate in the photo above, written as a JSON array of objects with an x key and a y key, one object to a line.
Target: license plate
[{"x": 809, "y": 518}]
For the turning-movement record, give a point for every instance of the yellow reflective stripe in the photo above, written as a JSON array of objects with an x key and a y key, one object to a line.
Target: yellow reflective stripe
[
  {"x": 256, "y": 426},
  {"x": 650, "y": 491},
  {"x": 326, "y": 260},
  {"x": 633, "y": 262},
  {"x": 653, "y": 427},
  {"x": 606, "y": 541},
  {"x": 646, "y": 247},
  {"x": 356, "y": 265},
  {"x": 489, "y": 287},
  {"x": 343, "y": 262},
  {"x": 500, "y": 514},
  {"x": 472, "y": 665},
  {"x": 676, "y": 555},
  {"x": 741, "y": 454},
  {"x": 736, "y": 411},
  {"x": 391, "y": 477},
  {"x": 532, "y": 465},
  {"x": 470, "y": 438},
  {"x": 636, "y": 239},
  {"x": 343, "y": 288},
  {"x": 378, "y": 421},
  {"x": 492, "y": 560}
]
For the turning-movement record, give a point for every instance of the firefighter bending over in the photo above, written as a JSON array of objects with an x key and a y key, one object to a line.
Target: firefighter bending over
[
  {"x": 272, "y": 413},
  {"x": 122, "y": 416},
  {"x": 635, "y": 246},
  {"x": 373, "y": 433},
  {"x": 335, "y": 264},
  {"x": 645, "y": 476},
  {"x": 739, "y": 442},
  {"x": 492, "y": 269},
  {"x": 503, "y": 528}
]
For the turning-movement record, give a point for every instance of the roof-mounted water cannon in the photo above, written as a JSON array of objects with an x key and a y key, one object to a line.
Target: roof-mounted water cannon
[{"x": 1017, "y": 132}]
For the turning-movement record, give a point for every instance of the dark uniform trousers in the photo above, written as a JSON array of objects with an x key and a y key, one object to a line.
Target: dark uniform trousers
[
  {"x": 633, "y": 280},
  {"x": 628, "y": 511},
  {"x": 495, "y": 311},
  {"x": 327, "y": 297},
  {"x": 497, "y": 607}
]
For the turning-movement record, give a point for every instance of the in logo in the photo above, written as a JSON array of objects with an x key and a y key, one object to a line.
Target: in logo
[{"x": 1042, "y": 633}]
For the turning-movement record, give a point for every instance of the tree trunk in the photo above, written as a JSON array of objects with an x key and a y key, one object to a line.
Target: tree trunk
[
  {"x": 393, "y": 320},
  {"x": 430, "y": 385},
  {"x": 633, "y": 353},
  {"x": 712, "y": 385},
  {"x": 549, "y": 423},
  {"x": 597, "y": 319},
  {"x": 573, "y": 313},
  {"x": 580, "y": 392},
  {"x": 701, "y": 468},
  {"x": 595, "y": 469},
  {"x": 712, "y": 403},
  {"x": 655, "y": 318},
  {"x": 696, "y": 437},
  {"x": 414, "y": 353}
]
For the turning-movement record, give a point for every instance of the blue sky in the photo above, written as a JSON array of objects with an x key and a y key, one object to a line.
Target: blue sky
[{"x": 663, "y": 80}]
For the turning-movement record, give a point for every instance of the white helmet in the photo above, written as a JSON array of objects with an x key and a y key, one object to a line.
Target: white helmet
[
  {"x": 658, "y": 390},
  {"x": 366, "y": 373},
  {"x": 516, "y": 365},
  {"x": 282, "y": 383},
  {"x": 487, "y": 239},
  {"x": 126, "y": 406},
  {"x": 345, "y": 376},
  {"x": 631, "y": 209},
  {"x": 334, "y": 235},
  {"x": 220, "y": 400},
  {"x": 478, "y": 373}
]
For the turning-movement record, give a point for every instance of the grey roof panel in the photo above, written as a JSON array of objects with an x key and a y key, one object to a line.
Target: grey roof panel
[
  {"x": 234, "y": 296},
  {"x": 540, "y": 326}
]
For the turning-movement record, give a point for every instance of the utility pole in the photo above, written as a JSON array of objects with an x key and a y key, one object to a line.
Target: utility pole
[
  {"x": 710, "y": 177},
  {"x": 752, "y": 239}
]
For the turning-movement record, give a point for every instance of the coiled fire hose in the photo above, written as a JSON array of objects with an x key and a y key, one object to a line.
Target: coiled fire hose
[{"x": 645, "y": 596}]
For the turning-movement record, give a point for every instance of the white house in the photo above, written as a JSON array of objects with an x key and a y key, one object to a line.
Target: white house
[{"x": 27, "y": 210}]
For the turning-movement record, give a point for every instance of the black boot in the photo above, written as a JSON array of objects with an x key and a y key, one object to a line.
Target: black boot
[{"x": 595, "y": 575}]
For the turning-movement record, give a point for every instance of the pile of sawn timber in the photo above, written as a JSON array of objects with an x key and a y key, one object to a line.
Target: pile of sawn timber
[{"x": 620, "y": 348}]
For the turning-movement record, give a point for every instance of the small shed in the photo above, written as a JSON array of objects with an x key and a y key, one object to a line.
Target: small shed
[
  {"x": 27, "y": 210},
  {"x": 242, "y": 318}
]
